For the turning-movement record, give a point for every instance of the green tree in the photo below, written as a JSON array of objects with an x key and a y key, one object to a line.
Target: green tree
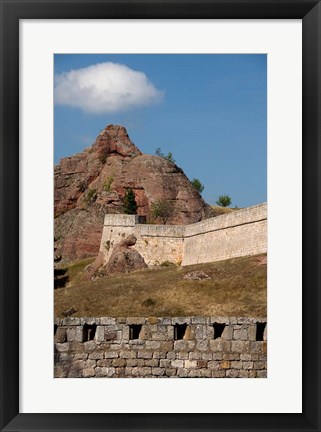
[
  {"x": 224, "y": 201},
  {"x": 197, "y": 185},
  {"x": 168, "y": 157},
  {"x": 162, "y": 209},
  {"x": 129, "y": 202}
]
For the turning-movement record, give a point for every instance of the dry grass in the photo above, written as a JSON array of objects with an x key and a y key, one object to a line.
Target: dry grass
[
  {"x": 73, "y": 273},
  {"x": 218, "y": 210},
  {"x": 237, "y": 287}
]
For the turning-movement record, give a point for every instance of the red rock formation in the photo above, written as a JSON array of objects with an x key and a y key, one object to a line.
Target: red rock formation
[
  {"x": 125, "y": 259},
  {"x": 74, "y": 175},
  {"x": 93, "y": 183}
]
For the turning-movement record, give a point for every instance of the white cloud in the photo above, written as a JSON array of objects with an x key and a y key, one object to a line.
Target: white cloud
[{"x": 105, "y": 88}]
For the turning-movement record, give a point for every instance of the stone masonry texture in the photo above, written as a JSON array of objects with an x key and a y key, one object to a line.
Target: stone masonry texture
[
  {"x": 154, "y": 347},
  {"x": 235, "y": 234}
]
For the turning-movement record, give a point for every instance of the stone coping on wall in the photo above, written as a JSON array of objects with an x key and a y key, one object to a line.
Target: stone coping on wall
[
  {"x": 151, "y": 320},
  {"x": 122, "y": 220},
  {"x": 244, "y": 216},
  {"x": 172, "y": 231},
  {"x": 155, "y": 347}
]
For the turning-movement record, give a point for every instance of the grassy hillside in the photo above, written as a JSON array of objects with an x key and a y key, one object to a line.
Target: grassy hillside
[{"x": 237, "y": 288}]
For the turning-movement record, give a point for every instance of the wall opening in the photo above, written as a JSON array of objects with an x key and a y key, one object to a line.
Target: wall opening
[
  {"x": 218, "y": 329},
  {"x": 134, "y": 330},
  {"x": 179, "y": 331},
  {"x": 55, "y": 329},
  {"x": 260, "y": 327},
  {"x": 89, "y": 332}
]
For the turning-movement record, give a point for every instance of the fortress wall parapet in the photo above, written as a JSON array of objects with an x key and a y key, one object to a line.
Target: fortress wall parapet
[
  {"x": 161, "y": 347},
  {"x": 229, "y": 220},
  {"x": 175, "y": 231},
  {"x": 122, "y": 220},
  {"x": 236, "y": 234}
]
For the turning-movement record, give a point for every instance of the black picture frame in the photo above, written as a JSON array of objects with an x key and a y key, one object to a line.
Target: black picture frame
[{"x": 11, "y": 12}]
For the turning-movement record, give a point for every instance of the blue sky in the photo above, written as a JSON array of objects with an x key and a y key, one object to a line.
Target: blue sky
[{"x": 209, "y": 110}]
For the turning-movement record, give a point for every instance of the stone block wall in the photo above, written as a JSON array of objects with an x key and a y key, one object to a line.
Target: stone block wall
[
  {"x": 180, "y": 347},
  {"x": 160, "y": 243},
  {"x": 231, "y": 242},
  {"x": 235, "y": 234},
  {"x": 156, "y": 243},
  {"x": 239, "y": 233}
]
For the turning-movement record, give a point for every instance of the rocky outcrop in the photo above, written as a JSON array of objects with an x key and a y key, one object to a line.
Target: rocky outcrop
[
  {"x": 196, "y": 275},
  {"x": 153, "y": 178},
  {"x": 124, "y": 259},
  {"x": 92, "y": 183},
  {"x": 74, "y": 175}
]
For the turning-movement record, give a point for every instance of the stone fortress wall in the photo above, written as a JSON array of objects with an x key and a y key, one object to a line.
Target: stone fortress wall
[
  {"x": 186, "y": 347},
  {"x": 235, "y": 234},
  {"x": 239, "y": 233}
]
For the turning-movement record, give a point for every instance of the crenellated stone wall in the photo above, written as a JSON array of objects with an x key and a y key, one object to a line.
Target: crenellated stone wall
[
  {"x": 239, "y": 233},
  {"x": 154, "y": 347}
]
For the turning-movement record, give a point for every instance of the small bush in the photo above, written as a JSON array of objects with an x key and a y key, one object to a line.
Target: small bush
[
  {"x": 168, "y": 264},
  {"x": 197, "y": 185},
  {"x": 102, "y": 158},
  {"x": 107, "y": 184},
  {"x": 168, "y": 157},
  {"x": 82, "y": 186},
  {"x": 224, "y": 201},
  {"x": 148, "y": 302},
  {"x": 162, "y": 209},
  {"x": 91, "y": 196}
]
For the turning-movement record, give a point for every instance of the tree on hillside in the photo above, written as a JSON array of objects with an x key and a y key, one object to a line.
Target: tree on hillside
[
  {"x": 162, "y": 209},
  {"x": 197, "y": 185},
  {"x": 129, "y": 202},
  {"x": 168, "y": 157},
  {"x": 224, "y": 201}
]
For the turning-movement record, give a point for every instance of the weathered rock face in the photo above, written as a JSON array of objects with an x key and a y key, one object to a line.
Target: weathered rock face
[
  {"x": 152, "y": 178},
  {"x": 92, "y": 183},
  {"x": 124, "y": 259},
  {"x": 74, "y": 175}
]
